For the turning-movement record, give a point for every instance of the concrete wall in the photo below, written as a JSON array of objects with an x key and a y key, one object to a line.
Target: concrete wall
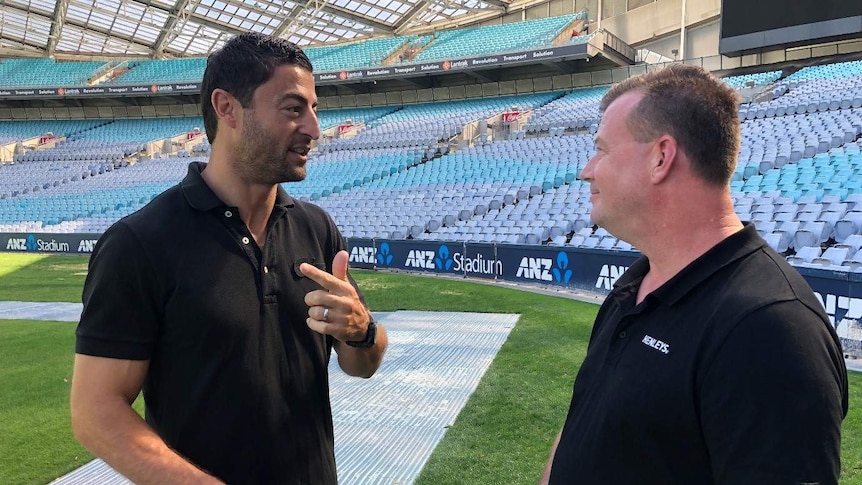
[
  {"x": 700, "y": 41},
  {"x": 657, "y": 23}
]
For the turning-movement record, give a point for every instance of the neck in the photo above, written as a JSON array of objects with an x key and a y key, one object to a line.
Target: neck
[
  {"x": 254, "y": 201},
  {"x": 682, "y": 231}
]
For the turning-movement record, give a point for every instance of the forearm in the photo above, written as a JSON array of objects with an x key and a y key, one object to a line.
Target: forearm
[
  {"x": 118, "y": 435},
  {"x": 362, "y": 362},
  {"x": 546, "y": 475}
]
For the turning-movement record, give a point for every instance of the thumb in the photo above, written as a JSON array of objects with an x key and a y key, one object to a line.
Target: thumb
[{"x": 339, "y": 265}]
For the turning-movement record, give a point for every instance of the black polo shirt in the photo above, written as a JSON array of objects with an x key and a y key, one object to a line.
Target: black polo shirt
[
  {"x": 237, "y": 382},
  {"x": 728, "y": 373}
]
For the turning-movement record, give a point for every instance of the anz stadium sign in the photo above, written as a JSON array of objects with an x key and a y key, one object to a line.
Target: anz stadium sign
[
  {"x": 48, "y": 243},
  {"x": 591, "y": 271}
]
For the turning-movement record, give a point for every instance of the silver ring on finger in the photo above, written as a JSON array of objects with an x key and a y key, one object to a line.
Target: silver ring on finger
[{"x": 325, "y": 314}]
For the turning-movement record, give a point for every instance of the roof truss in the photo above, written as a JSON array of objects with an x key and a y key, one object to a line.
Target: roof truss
[{"x": 171, "y": 28}]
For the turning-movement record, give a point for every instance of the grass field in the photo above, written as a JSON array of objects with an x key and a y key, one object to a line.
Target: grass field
[{"x": 502, "y": 436}]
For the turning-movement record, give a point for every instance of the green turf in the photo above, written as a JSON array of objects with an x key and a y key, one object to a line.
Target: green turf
[
  {"x": 35, "y": 372},
  {"x": 503, "y": 434},
  {"x": 30, "y": 277}
]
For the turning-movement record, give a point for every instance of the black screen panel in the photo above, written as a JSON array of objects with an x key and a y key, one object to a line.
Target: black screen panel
[{"x": 754, "y": 24}]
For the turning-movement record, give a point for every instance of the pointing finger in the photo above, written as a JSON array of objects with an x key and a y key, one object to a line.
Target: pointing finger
[{"x": 319, "y": 276}]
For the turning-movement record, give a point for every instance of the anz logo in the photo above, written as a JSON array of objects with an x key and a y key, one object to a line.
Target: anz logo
[
  {"x": 16, "y": 244},
  {"x": 419, "y": 258},
  {"x": 31, "y": 243},
  {"x": 562, "y": 273},
  {"x": 546, "y": 269},
  {"x": 384, "y": 256},
  {"x": 609, "y": 275},
  {"x": 443, "y": 260},
  {"x": 363, "y": 254},
  {"x": 86, "y": 245}
]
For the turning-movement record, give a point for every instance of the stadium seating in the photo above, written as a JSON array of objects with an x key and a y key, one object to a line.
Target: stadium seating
[
  {"x": 163, "y": 71},
  {"x": 46, "y": 72},
  {"x": 330, "y": 118},
  {"x": 477, "y": 41},
  {"x": 367, "y": 53},
  {"x": 409, "y": 173},
  {"x": 752, "y": 80},
  {"x": 458, "y": 43}
]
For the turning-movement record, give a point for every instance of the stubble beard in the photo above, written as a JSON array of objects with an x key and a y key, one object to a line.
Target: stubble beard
[{"x": 257, "y": 159}]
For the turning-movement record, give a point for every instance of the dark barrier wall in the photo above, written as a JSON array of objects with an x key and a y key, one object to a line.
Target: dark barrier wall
[
  {"x": 48, "y": 243},
  {"x": 588, "y": 270},
  {"x": 840, "y": 294},
  {"x": 584, "y": 269}
]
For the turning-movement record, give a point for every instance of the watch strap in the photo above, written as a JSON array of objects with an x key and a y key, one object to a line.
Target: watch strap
[{"x": 370, "y": 337}]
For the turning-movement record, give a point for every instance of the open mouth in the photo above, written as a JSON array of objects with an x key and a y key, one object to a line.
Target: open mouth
[{"x": 303, "y": 150}]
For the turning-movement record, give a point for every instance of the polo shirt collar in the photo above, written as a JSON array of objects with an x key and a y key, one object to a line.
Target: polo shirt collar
[
  {"x": 732, "y": 248},
  {"x": 199, "y": 195}
]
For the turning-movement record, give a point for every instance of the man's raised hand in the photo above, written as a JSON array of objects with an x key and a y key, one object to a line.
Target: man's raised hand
[{"x": 336, "y": 309}]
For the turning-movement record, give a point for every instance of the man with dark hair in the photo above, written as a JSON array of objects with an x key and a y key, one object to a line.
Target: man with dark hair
[
  {"x": 711, "y": 361},
  {"x": 223, "y": 298}
]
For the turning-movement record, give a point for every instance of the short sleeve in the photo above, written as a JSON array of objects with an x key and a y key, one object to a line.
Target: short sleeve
[
  {"x": 121, "y": 314},
  {"x": 773, "y": 398}
]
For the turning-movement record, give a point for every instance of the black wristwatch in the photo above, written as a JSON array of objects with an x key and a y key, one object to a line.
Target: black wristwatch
[{"x": 370, "y": 337}]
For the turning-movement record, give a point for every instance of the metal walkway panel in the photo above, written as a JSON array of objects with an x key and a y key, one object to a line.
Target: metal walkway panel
[
  {"x": 386, "y": 427},
  {"x": 50, "y": 311},
  {"x": 95, "y": 472}
]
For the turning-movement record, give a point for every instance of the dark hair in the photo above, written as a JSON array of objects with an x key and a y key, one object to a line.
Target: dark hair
[
  {"x": 700, "y": 111},
  {"x": 240, "y": 66}
]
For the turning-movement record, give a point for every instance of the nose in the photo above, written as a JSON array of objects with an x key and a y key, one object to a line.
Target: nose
[
  {"x": 587, "y": 172},
  {"x": 311, "y": 126}
]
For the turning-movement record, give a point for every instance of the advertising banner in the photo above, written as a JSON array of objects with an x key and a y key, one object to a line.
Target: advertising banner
[
  {"x": 412, "y": 70},
  {"x": 588, "y": 270},
  {"x": 102, "y": 91},
  {"x": 363, "y": 254},
  {"x": 437, "y": 257},
  {"x": 48, "y": 243},
  {"x": 479, "y": 261},
  {"x": 840, "y": 293}
]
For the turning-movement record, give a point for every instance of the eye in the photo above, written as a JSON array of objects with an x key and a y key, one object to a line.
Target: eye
[{"x": 292, "y": 111}]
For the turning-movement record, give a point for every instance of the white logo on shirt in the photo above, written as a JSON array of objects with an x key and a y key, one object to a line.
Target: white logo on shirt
[{"x": 656, "y": 344}]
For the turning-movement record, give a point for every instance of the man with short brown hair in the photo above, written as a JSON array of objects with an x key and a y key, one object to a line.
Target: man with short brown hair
[{"x": 711, "y": 361}]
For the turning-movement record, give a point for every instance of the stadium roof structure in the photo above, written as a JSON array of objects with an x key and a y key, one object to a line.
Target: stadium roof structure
[{"x": 97, "y": 29}]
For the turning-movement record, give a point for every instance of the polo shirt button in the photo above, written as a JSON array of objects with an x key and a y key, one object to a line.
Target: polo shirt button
[
  {"x": 228, "y": 214},
  {"x": 265, "y": 269},
  {"x": 623, "y": 334},
  {"x": 244, "y": 240}
]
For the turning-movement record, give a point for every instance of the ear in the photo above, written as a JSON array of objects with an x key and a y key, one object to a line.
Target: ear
[
  {"x": 666, "y": 156},
  {"x": 226, "y": 107}
]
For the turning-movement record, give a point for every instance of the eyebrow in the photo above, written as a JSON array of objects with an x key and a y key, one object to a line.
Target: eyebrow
[{"x": 296, "y": 97}]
